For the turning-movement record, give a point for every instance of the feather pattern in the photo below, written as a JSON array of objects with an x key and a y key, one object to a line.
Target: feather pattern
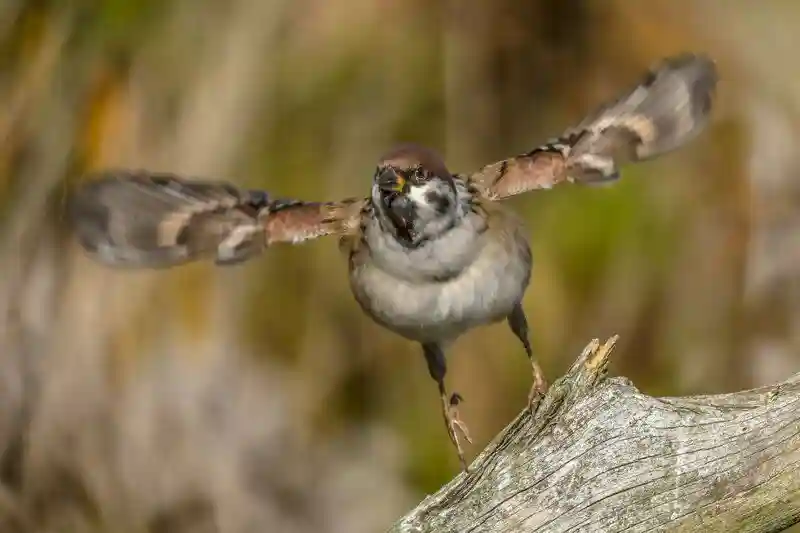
[
  {"x": 157, "y": 220},
  {"x": 430, "y": 255},
  {"x": 665, "y": 110}
]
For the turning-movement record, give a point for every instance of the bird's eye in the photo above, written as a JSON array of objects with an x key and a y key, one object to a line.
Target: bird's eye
[{"x": 419, "y": 175}]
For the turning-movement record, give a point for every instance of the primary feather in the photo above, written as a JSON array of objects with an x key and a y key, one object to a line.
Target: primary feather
[
  {"x": 157, "y": 220},
  {"x": 664, "y": 111}
]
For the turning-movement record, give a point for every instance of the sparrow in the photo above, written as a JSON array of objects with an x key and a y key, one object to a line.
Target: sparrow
[{"x": 431, "y": 254}]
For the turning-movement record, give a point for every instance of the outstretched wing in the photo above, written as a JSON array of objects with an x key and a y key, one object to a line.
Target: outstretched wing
[
  {"x": 665, "y": 110},
  {"x": 156, "y": 220}
]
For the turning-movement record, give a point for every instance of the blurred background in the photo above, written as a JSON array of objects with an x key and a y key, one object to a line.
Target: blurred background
[{"x": 258, "y": 397}]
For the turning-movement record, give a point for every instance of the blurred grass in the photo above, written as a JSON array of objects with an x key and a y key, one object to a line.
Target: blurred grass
[{"x": 264, "y": 383}]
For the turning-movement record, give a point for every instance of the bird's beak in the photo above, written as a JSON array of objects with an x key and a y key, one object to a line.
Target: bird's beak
[{"x": 391, "y": 181}]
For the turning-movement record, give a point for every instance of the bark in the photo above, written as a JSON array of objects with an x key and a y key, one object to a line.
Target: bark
[{"x": 601, "y": 456}]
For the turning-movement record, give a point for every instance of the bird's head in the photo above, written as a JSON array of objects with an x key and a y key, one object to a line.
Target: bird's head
[{"x": 414, "y": 194}]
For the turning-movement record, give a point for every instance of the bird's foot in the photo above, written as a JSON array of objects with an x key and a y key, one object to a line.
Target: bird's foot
[
  {"x": 538, "y": 389},
  {"x": 455, "y": 425}
]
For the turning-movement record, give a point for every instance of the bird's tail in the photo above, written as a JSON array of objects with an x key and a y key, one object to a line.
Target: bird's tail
[{"x": 666, "y": 109}]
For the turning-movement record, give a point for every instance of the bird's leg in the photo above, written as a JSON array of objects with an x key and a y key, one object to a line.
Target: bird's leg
[
  {"x": 519, "y": 325},
  {"x": 437, "y": 366}
]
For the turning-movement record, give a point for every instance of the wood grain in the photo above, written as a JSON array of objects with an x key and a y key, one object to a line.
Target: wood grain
[{"x": 601, "y": 456}]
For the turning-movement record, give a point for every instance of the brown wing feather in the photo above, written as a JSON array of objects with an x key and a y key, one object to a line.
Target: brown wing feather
[
  {"x": 155, "y": 220},
  {"x": 294, "y": 221},
  {"x": 665, "y": 110}
]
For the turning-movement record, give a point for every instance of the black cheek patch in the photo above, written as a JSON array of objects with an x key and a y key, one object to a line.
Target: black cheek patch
[{"x": 439, "y": 201}]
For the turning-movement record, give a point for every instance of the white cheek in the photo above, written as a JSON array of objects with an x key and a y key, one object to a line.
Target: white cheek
[{"x": 417, "y": 194}]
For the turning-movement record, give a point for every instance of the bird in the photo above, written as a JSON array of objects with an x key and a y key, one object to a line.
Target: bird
[{"x": 431, "y": 254}]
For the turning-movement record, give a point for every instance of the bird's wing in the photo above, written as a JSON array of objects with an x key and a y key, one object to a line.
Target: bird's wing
[
  {"x": 666, "y": 109},
  {"x": 156, "y": 220}
]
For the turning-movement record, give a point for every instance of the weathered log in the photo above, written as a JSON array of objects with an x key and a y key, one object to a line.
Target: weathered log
[{"x": 601, "y": 456}]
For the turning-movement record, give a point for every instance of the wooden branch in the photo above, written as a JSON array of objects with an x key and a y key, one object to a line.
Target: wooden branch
[{"x": 600, "y": 456}]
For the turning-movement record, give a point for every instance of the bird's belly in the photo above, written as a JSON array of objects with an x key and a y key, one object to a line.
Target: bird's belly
[{"x": 483, "y": 293}]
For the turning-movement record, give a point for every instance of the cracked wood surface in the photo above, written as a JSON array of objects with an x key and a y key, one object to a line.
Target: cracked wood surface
[{"x": 602, "y": 456}]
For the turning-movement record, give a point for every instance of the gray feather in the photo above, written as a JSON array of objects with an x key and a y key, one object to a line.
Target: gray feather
[
  {"x": 158, "y": 220},
  {"x": 667, "y": 109},
  {"x": 661, "y": 113}
]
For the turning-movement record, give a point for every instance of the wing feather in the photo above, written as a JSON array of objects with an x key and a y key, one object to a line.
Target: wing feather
[
  {"x": 300, "y": 221},
  {"x": 157, "y": 220},
  {"x": 669, "y": 107}
]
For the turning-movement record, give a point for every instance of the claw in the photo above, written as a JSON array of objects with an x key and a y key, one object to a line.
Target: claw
[
  {"x": 455, "y": 419},
  {"x": 534, "y": 398},
  {"x": 455, "y": 425},
  {"x": 538, "y": 389}
]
